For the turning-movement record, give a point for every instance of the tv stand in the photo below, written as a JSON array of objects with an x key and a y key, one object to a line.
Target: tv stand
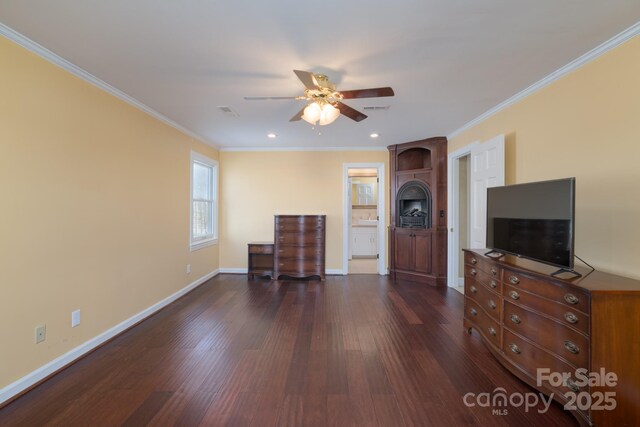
[
  {"x": 495, "y": 255},
  {"x": 566, "y": 270},
  {"x": 532, "y": 321}
]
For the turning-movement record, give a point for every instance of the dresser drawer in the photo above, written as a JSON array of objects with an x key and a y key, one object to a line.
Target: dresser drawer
[
  {"x": 565, "y": 295},
  {"x": 301, "y": 227},
  {"x": 312, "y": 252},
  {"x": 529, "y": 358},
  {"x": 311, "y": 238},
  {"x": 560, "y": 312},
  {"x": 549, "y": 334},
  {"x": 293, "y": 220},
  {"x": 481, "y": 263},
  {"x": 261, "y": 249},
  {"x": 297, "y": 264},
  {"x": 482, "y": 322},
  {"x": 489, "y": 279},
  {"x": 481, "y": 295}
]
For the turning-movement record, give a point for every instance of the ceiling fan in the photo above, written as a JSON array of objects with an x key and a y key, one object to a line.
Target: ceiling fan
[{"x": 325, "y": 102}]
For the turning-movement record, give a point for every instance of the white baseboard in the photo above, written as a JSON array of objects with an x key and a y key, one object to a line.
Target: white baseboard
[
  {"x": 234, "y": 270},
  {"x": 44, "y": 371},
  {"x": 333, "y": 271}
]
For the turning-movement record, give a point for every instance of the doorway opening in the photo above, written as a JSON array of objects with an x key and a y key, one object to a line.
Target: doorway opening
[
  {"x": 364, "y": 241},
  {"x": 471, "y": 169}
]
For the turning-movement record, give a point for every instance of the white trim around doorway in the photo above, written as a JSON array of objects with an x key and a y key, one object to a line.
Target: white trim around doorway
[
  {"x": 382, "y": 219},
  {"x": 453, "y": 193}
]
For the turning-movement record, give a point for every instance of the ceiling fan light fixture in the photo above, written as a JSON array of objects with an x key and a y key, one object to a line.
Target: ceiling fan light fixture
[
  {"x": 312, "y": 113},
  {"x": 329, "y": 114}
]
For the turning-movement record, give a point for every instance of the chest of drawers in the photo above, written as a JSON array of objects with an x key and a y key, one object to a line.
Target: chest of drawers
[
  {"x": 299, "y": 246},
  {"x": 530, "y": 321}
]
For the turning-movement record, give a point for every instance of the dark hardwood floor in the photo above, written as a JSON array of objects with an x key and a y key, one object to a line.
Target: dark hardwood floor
[{"x": 354, "y": 350}]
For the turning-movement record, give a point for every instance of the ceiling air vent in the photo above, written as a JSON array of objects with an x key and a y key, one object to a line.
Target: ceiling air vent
[
  {"x": 227, "y": 111},
  {"x": 377, "y": 107}
]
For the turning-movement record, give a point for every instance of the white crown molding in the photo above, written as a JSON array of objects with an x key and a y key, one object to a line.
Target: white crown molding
[
  {"x": 594, "y": 53},
  {"x": 71, "y": 356},
  {"x": 256, "y": 149},
  {"x": 55, "y": 59}
]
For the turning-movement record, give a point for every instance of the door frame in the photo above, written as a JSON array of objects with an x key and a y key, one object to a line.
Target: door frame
[
  {"x": 453, "y": 220},
  {"x": 346, "y": 212}
]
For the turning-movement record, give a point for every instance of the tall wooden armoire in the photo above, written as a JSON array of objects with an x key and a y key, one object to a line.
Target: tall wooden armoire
[{"x": 418, "y": 230}]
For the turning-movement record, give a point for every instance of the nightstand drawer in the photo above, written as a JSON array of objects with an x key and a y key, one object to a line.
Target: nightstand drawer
[{"x": 260, "y": 248}]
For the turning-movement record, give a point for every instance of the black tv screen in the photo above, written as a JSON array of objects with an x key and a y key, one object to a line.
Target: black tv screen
[{"x": 533, "y": 220}]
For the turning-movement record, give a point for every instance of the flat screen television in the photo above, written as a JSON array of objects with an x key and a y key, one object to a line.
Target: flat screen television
[{"x": 533, "y": 220}]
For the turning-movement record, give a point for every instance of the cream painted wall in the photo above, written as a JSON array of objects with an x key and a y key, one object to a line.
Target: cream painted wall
[
  {"x": 587, "y": 125},
  {"x": 257, "y": 185},
  {"x": 95, "y": 211}
]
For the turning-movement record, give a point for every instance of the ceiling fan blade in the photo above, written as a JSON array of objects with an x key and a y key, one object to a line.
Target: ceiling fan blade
[
  {"x": 367, "y": 93},
  {"x": 306, "y": 78},
  {"x": 298, "y": 115},
  {"x": 353, "y": 114},
  {"x": 261, "y": 98}
]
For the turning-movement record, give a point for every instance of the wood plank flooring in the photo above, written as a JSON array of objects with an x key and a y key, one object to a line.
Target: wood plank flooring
[{"x": 355, "y": 350}]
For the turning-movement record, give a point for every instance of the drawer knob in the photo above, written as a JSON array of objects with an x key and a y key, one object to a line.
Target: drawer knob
[
  {"x": 473, "y": 289},
  {"x": 515, "y": 319},
  {"x": 474, "y": 311},
  {"x": 474, "y": 261},
  {"x": 514, "y": 348},
  {"x": 570, "y": 317},
  {"x": 572, "y": 385},
  {"x": 571, "y": 347},
  {"x": 473, "y": 272},
  {"x": 514, "y": 280},
  {"x": 492, "y": 304},
  {"x": 514, "y": 295},
  {"x": 494, "y": 271},
  {"x": 492, "y": 331},
  {"x": 493, "y": 284},
  {"x": 571, "y": 299}
]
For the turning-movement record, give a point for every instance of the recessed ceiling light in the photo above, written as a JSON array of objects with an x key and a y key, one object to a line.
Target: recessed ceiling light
[
  {"x": 374, "y": 135},
  {"x": 271, "y": 135}
]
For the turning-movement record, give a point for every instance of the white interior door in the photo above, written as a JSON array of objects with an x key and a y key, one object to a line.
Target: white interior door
[
  {"x": 487, "y": 170},
  {"x": 350, "y": 214}
]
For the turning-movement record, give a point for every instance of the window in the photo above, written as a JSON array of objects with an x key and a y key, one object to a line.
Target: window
[{"x": 204, "y": 201}]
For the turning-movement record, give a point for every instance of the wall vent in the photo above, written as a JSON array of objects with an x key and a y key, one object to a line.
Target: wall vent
[{"x": 227, "y": 111}]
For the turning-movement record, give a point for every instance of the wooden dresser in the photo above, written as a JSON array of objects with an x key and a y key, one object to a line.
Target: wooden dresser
[
  {"x": 530, "y": 320},
  {"x": 299, "y": 249}
]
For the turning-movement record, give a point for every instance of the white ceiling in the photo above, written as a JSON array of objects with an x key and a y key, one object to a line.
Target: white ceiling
[{"x": 448, "y": 61}]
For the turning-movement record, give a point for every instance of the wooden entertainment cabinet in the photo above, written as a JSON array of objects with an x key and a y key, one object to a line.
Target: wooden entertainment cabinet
[
  {"x": 530, "y": 320},
  {"x": 418, "y": 227}
]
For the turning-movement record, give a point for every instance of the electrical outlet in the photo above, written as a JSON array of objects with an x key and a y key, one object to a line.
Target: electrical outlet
[
  {"x": 41, "y": 333},
  {"x": 75, "y": 318},
  {"x": 188, "y": 268}
]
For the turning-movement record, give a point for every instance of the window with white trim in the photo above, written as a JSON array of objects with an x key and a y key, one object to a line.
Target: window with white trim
[{"x": 204, "y": 201}]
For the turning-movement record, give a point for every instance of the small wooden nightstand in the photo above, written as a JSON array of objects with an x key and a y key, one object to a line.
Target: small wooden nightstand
[{"x": 260, "y": 259}]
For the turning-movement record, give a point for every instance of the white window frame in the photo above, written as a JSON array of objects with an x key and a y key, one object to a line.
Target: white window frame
[{"x": 211, "y": 239}]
